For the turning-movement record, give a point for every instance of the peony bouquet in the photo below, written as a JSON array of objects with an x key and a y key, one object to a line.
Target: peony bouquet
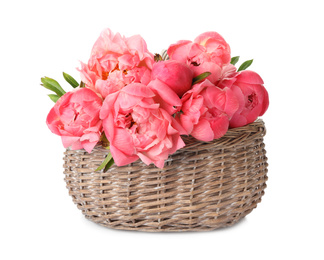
[{"x": 138, "y": 105}]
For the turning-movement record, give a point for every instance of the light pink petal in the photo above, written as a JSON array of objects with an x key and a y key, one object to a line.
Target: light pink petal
[
  {"x": 120, "y": 158},
  {"x": 139, "y": 90},
  {"x": 107, "y": 106},
  {"x": 70, "y": 140},
  {"x": 204, "y": 37},
  {"x": 53, "y": 121},
  {"x": 137, "y": 45},
  {"x": 180, "y": 50},
  {"x": 88, "y": 146}
]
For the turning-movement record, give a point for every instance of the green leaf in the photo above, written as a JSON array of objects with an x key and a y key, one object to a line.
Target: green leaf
[
  {"x": 200, "y": 77},
  {"x": 235, "y": 59},
  {"x": 105, "y": 162},
  {"x": 245, "y": 65},
  {"x": 52, "y": 85},
  {"x": 109, "y": 164},
  {"x": 70, "y": 80},
  {"x": 82, "y": 85},
  {"x": 53, "y": 97}
]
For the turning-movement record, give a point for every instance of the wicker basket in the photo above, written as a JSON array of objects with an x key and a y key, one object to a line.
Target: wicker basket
[{"x": 204, "y": 186}]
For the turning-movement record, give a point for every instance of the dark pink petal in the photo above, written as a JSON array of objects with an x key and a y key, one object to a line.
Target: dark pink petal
[
  {"x": 249, "y": 77},
  {"x": 122, "y": 140},
  {"x": 265, "y": 102},
  {"x": 165, "y": 96},
  {"x": 232, "y": 103},
  {"x": 202, "y": 131},
  {"x": 219, "y": 126},
  {"x": 237, "y": 121}
]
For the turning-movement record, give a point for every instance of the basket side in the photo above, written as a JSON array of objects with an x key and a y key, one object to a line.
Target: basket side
[{"x": 204, "y": 186}]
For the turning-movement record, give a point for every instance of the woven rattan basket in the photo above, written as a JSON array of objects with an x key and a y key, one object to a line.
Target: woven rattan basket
[{"x": 204, "y": 186}]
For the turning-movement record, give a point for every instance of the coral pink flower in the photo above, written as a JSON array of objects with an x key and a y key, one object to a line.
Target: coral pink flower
[
  {"x": 137, "y": 127},
  {"x": 209, "y": 52},
  {"x": 75, "y": 117},
  {"x": 175, "y": 74},
  {"x": 115, "y": 62},
  {"x": 206, "y": 111},
  {"x": 252, "y": 95}
]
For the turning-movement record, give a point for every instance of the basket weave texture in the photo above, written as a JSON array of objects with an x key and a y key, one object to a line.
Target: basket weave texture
[{"x": 204, "y": 186}]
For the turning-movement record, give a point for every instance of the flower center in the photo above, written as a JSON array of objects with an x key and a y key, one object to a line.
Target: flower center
[
  {"x": 252, "y": 101},
  {"x": 105, "y": 74}
]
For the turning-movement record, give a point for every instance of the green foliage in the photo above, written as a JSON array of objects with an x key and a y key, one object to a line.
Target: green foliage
[
  {"x": 200, "y": 77},
  {"x": 245, "y": 65},
  {"x": 52, "y": 85},
  {"x": 235, "y": 59},
  {"x": 107, "y": 163},
  {"x": 70, "y": 80},
  {"x": 53, "y": 97}
]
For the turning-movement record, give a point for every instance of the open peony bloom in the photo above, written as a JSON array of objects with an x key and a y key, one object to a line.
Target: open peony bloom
[
  {"x": 209, "y": 52},
  {"x": 252, "y": 95},
  {"x": 206, "y": 111},
  {"x": 115, "y": 62},
  {"x": 75, "y": 117},
  {"x": 178, "y": 76},
  {"x": 137, "y": 127}
]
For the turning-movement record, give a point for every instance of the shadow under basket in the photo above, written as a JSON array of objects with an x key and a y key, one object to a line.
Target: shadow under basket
[{"x": 204, "y": 186}]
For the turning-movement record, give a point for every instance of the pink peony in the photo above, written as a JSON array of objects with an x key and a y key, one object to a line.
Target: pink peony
[
  {"x": 75, "y": 117},
  {"x": 252, "y": 95},
  {"x": 209, "y": 52},
  {"x": 165, "y": 96},
  {"x": 115, "y": 62},
  {"x": 137, "y": 127},
  {"x": 206, "y": 111},
  {"x": 175, "y": 74}
]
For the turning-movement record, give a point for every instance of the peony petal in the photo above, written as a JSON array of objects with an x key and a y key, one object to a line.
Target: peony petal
[
  {"x": 70, "y": 140},
  {"x": 265, "y": 102},
  {"x": 232, "y": 103},
  {"x": 88, "y": 146},
  {"x": 120, "y": 158},
  {"x": 180, "y": 50},
  {"x": 211, "y": 67},
  {"x": 122, "y": 140},
  {"x": 165, "y": 96},
  {"x": 53, "y": 122},
  {"x": 139, "y": 90},
  {"x": 237, "y": 121},
  {"x": 202, "y": 131},
  {"x": 249, "y": 77},
  {"x": 220, "y": 126},
  {"x": 186, "y": 123}
]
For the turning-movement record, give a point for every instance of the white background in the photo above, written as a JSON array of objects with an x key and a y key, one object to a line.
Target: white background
[{"x": 45, "y": 38}]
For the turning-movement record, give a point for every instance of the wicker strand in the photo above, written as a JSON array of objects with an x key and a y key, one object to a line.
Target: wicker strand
[{"x": 203, "y": 186}]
